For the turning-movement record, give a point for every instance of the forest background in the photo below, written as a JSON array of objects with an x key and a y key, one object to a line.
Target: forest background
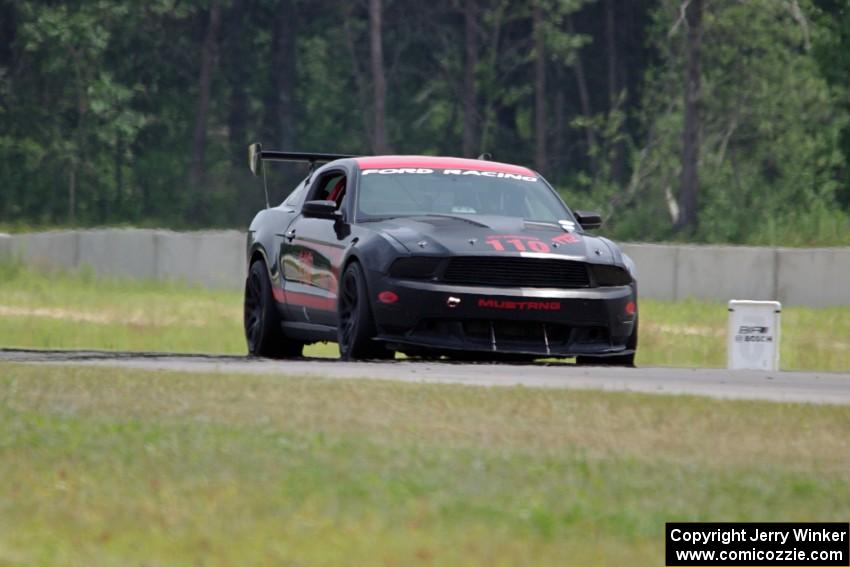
[{"x": 678, "y": 120}]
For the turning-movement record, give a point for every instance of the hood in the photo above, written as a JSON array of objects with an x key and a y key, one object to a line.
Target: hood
[{"x": 447, "y": 235}]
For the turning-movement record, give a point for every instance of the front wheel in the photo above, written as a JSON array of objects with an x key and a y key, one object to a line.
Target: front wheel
[
  {"x": 262, "y": 321},
  {"x": 356, "y": 325}
]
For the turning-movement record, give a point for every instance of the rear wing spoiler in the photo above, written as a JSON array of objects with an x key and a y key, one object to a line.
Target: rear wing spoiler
[{"x": 257, "y": 155}]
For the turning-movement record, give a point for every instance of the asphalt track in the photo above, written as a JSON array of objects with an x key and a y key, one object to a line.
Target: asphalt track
[{"x": 809, "y": 387}]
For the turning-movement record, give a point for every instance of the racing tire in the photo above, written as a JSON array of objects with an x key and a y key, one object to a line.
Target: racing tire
[
  {"x": 261, "y": 319},
  {"x": 356, "y": 327},
  {"x": 624, "y": 360}
]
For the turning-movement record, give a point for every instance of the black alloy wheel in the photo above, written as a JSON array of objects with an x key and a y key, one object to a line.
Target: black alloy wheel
[
  {"x": 356, "y": 325},
  {"x": 262, "y": 321}
]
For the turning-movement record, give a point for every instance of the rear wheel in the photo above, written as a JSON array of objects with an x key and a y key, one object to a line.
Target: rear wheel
[
  {"x": 262, "y": 321},
  {"x": 626, "y": 360},
  {"x": 356, "y": 325}
]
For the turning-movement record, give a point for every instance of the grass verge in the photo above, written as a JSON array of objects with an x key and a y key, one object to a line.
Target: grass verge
[
  {"x": 66, "y": 310},
  {"x": 108, "y": 467}
]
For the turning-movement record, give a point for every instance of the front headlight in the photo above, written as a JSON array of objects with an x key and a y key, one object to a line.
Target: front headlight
[
  {"x": 605, "y": 276},
  {"x": 414, "y": 268},
  {"x": 630, "y": 266}
]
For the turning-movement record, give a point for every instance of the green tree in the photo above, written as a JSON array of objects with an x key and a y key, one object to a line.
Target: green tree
[
  {"x": 83, "y": 116},
  {"x": 770, "y": 128},
  {"x": 831, "y": 47},
  {"x": 107, "y": 105}
]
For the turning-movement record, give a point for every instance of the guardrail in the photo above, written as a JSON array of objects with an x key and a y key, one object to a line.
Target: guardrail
[{"x": 816, "y": 277}]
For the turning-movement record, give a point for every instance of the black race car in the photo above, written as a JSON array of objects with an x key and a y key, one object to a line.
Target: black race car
[{"x": 433, "y": 256}]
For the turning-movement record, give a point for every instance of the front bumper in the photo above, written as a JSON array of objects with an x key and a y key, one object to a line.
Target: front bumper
[{"x": 526, "y": 321}]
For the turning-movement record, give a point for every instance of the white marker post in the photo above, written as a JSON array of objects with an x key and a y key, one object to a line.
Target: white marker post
[{"x": 753, "y": 339}]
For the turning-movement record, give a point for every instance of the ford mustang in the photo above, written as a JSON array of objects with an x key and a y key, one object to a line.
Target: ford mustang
[{"x": 433, "y": 256}]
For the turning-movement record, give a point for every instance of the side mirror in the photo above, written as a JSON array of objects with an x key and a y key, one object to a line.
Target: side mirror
[
  {"x": 254, "y": 156},
  {"x": 588, "y": 220},
  {"x": 320, "y": 210}
]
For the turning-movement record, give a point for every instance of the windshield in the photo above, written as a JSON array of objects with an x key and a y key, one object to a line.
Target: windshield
[{"x": 422, "y": 191}]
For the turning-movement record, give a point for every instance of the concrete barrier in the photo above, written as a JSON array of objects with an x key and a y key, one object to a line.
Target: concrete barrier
[
  {"x": 819, "y": 277},
  {"x": 816, "y": 277},
  {"x": 128, "y": 252},
  {"x": 725, "y": 272},
  {"x": 212, "y": 259},
  {"x": 5, "y": 245},
  {"x": 656, "y": 269},
  {"x": 44, "y": 250}
]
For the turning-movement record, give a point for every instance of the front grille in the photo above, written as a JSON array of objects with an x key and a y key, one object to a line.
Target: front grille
[{"x": 517, "y": 272}]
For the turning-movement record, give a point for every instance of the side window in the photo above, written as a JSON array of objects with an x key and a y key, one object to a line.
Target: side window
[{"x": 330, "y": 187}]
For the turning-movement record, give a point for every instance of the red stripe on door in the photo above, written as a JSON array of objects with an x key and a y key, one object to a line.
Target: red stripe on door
[{"x": 310, "y": 300}]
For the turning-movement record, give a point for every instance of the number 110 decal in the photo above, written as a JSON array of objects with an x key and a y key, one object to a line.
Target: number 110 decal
[{"x": 520, "y": 243}]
